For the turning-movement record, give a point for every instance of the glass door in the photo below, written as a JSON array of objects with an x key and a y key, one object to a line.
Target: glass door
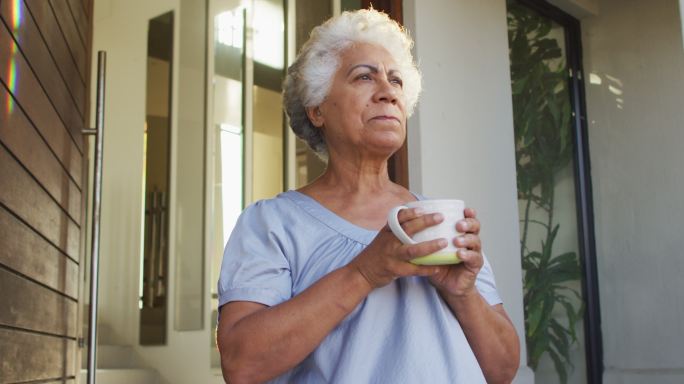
[{"x": 557, "y": 252}]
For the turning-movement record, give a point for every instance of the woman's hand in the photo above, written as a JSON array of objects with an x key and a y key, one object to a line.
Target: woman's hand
[
  {"x": 386, "y": 258},
  {"x": 458, "y": 280}
]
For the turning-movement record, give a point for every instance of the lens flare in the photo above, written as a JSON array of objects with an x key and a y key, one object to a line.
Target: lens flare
[
  {"x": 16, "y": 14},
  {"x": 12, "y": 77}
]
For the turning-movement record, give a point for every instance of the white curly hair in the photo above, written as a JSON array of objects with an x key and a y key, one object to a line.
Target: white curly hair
[{"x": 309, "y": 78}]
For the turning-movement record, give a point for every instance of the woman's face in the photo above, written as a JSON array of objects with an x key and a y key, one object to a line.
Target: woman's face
[{"x": 364, "y": 111}]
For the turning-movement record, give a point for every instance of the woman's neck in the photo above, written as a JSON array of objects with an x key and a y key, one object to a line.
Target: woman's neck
[
  {"x": 356, "y": 177},
  {"x": 361, "y": 193}
]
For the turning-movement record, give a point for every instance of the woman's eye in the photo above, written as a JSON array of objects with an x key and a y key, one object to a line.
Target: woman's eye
[
  {"x": 365, "y": 76},
  {"x": 397, "y": 81}
]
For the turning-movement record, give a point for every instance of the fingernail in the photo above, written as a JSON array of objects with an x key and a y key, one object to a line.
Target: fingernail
[
  {"x": 443, "y": 243},
  {"x": 418, "y": 211},
  {"x": 438, "y": 217}
]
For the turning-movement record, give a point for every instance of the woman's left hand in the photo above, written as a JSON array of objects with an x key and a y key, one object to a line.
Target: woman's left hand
[{"x": 459, "y": 279}]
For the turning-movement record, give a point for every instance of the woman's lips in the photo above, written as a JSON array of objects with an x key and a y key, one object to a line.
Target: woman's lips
[{"x": 385, "y": 118}]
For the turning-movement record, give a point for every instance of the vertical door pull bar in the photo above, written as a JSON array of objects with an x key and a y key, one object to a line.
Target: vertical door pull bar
[{"x": 97, "y": 204}]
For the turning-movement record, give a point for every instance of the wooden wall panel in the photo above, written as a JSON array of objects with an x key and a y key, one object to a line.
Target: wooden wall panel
[
  {"x": 68, "y": 27},
  {"x": 22, "y": 140},
  {"x": 79, "y": 13},
  {"x": 44, "y": 72},
  {"x": 22, "y": 83},
  {"x": 32, "y": 204},
  {"x": 36, "y": 51},
  {"x": 47, "y": 24},
  {"x": 29, "y": 356},
  {"x": 36, "y": 308},
  {"x": 26, "y": 252}
]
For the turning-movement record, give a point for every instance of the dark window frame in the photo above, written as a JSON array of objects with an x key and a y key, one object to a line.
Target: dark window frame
[{"x": 583, "y": 187}]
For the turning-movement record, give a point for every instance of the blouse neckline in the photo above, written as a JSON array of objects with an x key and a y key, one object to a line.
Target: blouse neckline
[{"x": 332, "y": 220}]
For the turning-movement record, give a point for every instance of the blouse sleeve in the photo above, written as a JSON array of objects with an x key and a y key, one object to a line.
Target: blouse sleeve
[
  {"x": 254, "y": 266},
  {"x": 486, "y": 285}
]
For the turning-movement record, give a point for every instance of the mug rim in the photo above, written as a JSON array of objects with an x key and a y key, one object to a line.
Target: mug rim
[{"x": 437, "y": 201}]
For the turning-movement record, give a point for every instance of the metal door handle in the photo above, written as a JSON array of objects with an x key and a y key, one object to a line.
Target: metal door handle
[{"x": 97, "y": 204}]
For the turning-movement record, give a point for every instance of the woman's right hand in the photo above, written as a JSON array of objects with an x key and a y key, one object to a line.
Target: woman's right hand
[{"x": 387, "y": 258}]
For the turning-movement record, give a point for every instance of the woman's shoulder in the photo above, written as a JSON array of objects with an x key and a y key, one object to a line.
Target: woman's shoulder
[{"x": 272, "y": 209}]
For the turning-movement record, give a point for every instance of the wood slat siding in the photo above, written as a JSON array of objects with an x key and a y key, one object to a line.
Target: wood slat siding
[
  {"x": 79, "y": 14},
  {"x": 37, "y": 53},
  {"x": 36, "y": 308},
  {"x": 30, "y": 96},
  {"x": 44, "y": 76},
  {"x": 42, "y": 15},
  {"x": 29, "y": 356},
  {"x": 68, "y": 27},
  {"x": 22, "y": 140},
  {"x": 22, "y": 195},
  {"x": 26, "y": 252},
  {"x": 30, "y": 92}
]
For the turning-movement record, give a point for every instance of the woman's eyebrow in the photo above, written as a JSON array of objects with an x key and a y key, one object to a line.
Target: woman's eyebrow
[{"x": 373, "y": 69}]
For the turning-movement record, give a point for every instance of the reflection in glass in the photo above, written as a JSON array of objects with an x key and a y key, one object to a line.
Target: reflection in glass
[
  {"x": 153, "y": 295},
  {"x": 546, "y": 197}
]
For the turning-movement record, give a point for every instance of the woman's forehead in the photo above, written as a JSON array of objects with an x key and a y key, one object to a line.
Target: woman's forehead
[{"x": 368, "y": 56}]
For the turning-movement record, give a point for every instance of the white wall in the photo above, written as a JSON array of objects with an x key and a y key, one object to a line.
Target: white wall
[
  {"x": 634, "y": 66},
  {"x": 461, "y": 138}
]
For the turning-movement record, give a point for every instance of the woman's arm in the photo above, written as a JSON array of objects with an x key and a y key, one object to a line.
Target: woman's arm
[
  {"x": 258, "y": 343},
  {"x": 490, "y": 334},
  {"x": 489, "y": 331}
]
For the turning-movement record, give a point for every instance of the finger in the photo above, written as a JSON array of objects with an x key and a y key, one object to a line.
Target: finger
[
  {"x": 425, "y": 270},
  {"x": 469, "y": 241},
  {"x": 409, "y": 214},
  {"x": 423, "y": 249},
  {"x": 408, "y": 269},
  {"x": 405, "y": 215},
  {"x": 416, "y": 225},
  {"x": 471, "y": 259},
  {"x": 468, "y": 225},
  {"x": 470, "y": 212}
]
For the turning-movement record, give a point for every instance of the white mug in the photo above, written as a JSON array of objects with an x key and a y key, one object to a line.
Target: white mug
[{"x": 452, "y": 210}]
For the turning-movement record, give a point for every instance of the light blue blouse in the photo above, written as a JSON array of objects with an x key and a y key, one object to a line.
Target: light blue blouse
[{"x": 401, "y": 333}]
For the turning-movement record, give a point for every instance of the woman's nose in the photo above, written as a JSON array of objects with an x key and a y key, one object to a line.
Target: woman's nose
[{"x": 386, "y": 92}]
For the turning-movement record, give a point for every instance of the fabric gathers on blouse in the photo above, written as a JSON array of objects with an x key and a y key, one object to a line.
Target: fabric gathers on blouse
[{"x": 400, "y": 333}]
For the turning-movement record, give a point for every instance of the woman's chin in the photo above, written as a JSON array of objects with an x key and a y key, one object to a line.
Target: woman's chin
[{"x": 386, "y": 145}]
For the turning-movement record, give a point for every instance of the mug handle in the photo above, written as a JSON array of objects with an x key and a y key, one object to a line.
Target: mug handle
[{"x": 393, "y": 222}]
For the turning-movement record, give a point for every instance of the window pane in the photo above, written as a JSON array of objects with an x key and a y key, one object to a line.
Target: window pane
[{"x": 546, "y": 197}]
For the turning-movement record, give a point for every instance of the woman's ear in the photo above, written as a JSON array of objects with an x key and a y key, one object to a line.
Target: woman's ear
[{"x": 314, "y": 114}]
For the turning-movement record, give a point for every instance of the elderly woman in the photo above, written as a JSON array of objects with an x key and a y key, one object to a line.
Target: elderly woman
[{"x": 314, "y": 287}]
